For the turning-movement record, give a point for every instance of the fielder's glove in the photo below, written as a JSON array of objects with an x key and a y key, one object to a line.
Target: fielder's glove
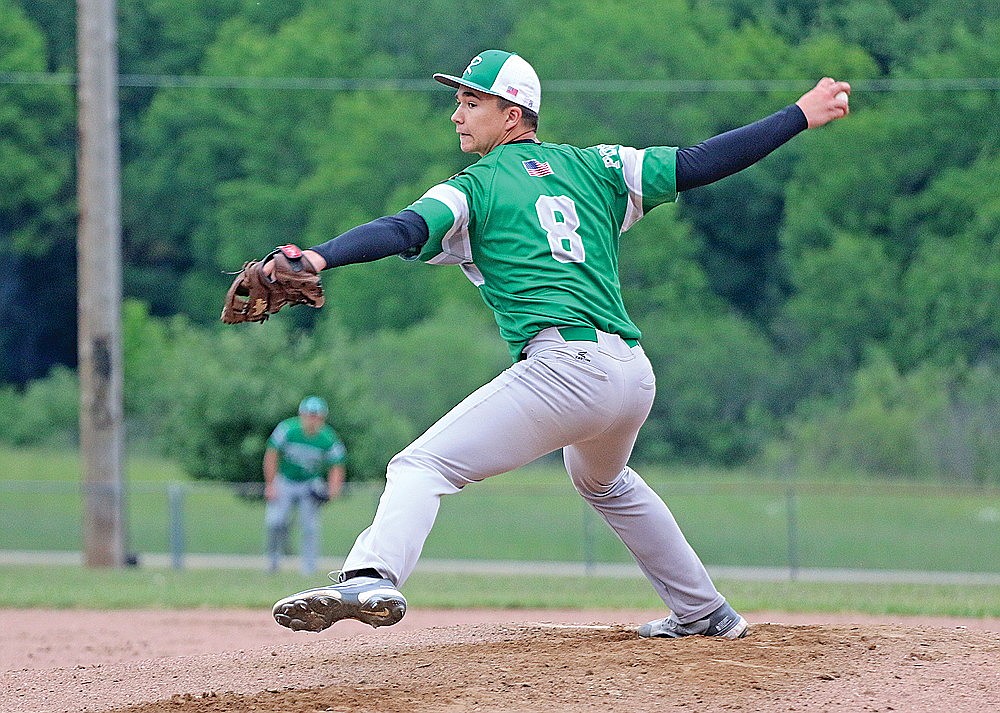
[
  {"x": 319, "y": 490},
  {"x": 254, "y": 296}
]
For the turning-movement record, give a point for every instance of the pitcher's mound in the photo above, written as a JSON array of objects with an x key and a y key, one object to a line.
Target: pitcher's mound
[
  {"x": 588, "y": 668},
  {"x": 536, "y": 666}
]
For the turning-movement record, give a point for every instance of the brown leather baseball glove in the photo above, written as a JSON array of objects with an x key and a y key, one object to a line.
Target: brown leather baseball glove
[{"x": 254, "y": 295}]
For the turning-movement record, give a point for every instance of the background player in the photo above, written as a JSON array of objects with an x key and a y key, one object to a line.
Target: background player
[
  {"x": 536, "y": 227},
  {"x": 304, "y": 466}
]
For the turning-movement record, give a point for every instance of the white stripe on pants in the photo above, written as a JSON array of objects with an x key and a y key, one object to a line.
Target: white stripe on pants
[{"x": 589, "y": 399}]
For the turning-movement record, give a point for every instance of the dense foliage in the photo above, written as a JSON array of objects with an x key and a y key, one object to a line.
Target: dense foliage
[{"x": 837, "y": 304}]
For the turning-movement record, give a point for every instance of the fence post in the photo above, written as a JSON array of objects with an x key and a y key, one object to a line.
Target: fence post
[
  {"x": 787, "y": 471},
  {"x": 175, "y": 500},
  {"x": 588, "y": 538},
  {"x": 793, "y": 532}
]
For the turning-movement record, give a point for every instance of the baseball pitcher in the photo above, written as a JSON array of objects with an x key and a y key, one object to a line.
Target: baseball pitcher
[{"x": 536, "y": 227}]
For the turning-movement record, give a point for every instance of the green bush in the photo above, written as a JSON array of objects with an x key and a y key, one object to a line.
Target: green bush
[
  {"x": 423, "y": 371},
  {"x": 931, "y": 423},
  {"x": 966, "y": 436},
  {"x": 45, "y": 413},
  {"x": 215, "y": 395}
]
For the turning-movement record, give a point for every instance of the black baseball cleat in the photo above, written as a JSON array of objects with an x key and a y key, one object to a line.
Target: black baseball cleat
[
  {"x": 372, "y": 600},
  {"x": 724, "y": 622}
]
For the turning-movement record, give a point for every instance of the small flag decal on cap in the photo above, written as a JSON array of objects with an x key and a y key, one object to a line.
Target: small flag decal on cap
[
  {"x": 537, "y": 168},
  {"x": 512, "y": 91}
]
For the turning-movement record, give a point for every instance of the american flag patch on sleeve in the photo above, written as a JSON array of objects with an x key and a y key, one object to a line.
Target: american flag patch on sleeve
[{"x": 537, "y": 168}]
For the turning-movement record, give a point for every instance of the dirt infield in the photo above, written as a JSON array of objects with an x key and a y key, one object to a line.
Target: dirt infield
[{"x": 492, "y": 661}]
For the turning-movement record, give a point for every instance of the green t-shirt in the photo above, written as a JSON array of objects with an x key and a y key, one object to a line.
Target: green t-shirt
[
  {"x": 536, "y": 228},
  {"x": 304, "y": 457}
]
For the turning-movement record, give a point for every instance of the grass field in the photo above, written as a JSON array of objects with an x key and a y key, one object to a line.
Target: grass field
[
  {"x": 77, "y": 587},
  {"x": 732, "y": 519}
]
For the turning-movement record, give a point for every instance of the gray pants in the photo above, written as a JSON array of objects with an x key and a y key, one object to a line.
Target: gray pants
[
  {"x": 590, "y": 399},
  {"x": 277, "y": 519}
]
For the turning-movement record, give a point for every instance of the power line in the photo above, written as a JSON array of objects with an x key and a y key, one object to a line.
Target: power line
[{"x": 610, "y": 86}]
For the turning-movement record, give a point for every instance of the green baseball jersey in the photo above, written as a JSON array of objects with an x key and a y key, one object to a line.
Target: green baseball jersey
[
  {"x": 536, "y": 228},
  {"x": 302, "y": 456}
]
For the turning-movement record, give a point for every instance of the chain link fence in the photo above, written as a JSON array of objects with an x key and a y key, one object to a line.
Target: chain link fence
[{"x": 745, "y": 528}]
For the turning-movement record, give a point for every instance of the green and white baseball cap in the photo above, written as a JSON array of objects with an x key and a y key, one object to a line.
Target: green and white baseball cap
[
  {"x": 503, "y": 74},
  {"x": 313, "y": 406}
]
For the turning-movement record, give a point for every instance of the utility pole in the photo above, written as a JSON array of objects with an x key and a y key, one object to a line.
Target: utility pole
[{"x": 99, "y": 284}]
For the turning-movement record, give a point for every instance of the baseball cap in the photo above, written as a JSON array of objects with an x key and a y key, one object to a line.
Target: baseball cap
[
  {"x": 502, "y": 74},
  {"x": 313, "y": 405}
]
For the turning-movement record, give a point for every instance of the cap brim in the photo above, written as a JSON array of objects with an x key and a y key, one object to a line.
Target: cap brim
[
  {"x": 447, "y": 79},
  {"x": 456, "y": 82}
]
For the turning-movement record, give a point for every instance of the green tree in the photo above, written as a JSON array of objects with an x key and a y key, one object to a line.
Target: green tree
[
  {"x": 920, "y": 223},
  {"x": 845, "y": 303},
  {"x": 720, "y": 384},
  {"x": 55, "y": 20},
  {"x": 892, "y": 32},
  {"x": 431, "y": 36},
  {"x": 235, "y": 173},
  {"x": 952, "y": 284},
  {"x": 36, "y": 208}
]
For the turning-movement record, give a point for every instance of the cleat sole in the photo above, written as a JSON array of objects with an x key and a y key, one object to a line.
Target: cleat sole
[{"x": 321, "y": 612}]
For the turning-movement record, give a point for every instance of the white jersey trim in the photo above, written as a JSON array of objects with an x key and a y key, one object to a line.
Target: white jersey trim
[
  {"x": 280, "y": 434},
  {"x": 456, "y": 245},
  {"x": 632, "y": 171}
]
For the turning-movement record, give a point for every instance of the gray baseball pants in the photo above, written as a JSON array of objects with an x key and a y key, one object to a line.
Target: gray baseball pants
[
  {"x": 277, "y": 519},
  {"x": 588, "y": 398}
]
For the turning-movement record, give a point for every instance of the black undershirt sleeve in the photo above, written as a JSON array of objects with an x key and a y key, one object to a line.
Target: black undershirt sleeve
[
  {"x": 382, "y": 237},
  {"x": 727, "y": 153},
  {"x": 699, "y": 165}
]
